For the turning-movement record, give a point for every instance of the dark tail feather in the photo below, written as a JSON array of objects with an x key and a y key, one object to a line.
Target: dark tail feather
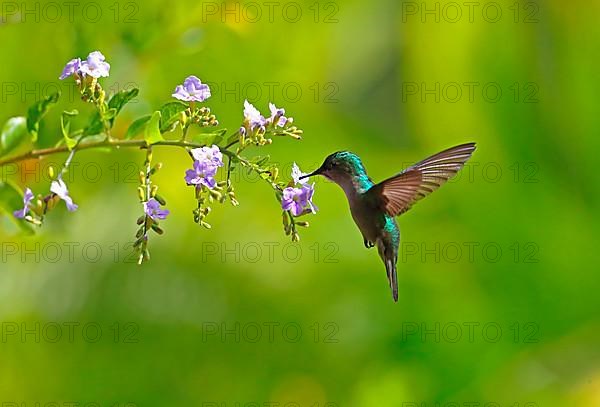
[{"x": 390, "y": 268}]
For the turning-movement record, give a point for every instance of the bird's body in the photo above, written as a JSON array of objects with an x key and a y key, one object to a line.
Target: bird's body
[{"x": 374, "y": 206}]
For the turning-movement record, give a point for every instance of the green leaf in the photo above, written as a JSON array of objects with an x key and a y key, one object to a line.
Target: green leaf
[
  {"x": 65, "y": 126},
  {"x": 260, "y": 160},
  {"x": 110, "y": 115},
  {"x": 11, "y": 200},
  {"x": 152, "y": 133},
  {"x": 95, "y": 125},
  {"x": 119, "y": 100},
  {"x": 13, "y": 133},
  {"x": 137, "y": 127},
  {"x": 37, "y": 112},
  {"x": 170, "y": 114},
  {"x": 233, "y": 137},
  {"x": 208, "y": 139},
  {"x": 96, "y": 138}
]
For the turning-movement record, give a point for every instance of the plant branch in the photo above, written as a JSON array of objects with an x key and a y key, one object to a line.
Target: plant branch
[{"x": 100, "y": 144}]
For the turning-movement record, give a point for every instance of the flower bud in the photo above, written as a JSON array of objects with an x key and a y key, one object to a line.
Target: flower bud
[
  {"x": 51, "y": 172},
  {"x": 215, "y": 194},
  {"x": 141, "y": 194},
  {"x": 157, "y": 229}
]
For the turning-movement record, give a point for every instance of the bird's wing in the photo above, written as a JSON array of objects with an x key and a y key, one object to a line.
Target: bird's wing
[{"x": 397, "y": 194}]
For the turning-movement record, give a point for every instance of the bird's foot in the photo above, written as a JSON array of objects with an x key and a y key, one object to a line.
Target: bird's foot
[{"x": 368, "y": 244}]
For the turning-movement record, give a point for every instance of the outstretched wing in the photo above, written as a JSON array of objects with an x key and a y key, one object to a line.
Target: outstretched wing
[{"x": 396, "y": 195}]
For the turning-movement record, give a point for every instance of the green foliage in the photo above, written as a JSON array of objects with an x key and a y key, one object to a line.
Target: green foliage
[
  {"x": 152, "y": 132},
  {"x": 137, "y": 127},
  {"x": 65, "y": 126},
  {"x": 209, "y": 138},
  {"x": 95, "y": 125},
  {"x": 119, "y": 100},
  {"x": 171, "y": 115},
  {"x": 36, "y": 113},
  {"x": 13, "y": 133}
]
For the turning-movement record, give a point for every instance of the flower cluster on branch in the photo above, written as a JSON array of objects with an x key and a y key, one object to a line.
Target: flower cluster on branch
[{"x": 182, "y": 123}]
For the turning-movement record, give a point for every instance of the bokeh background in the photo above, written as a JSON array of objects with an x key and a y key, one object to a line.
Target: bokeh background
[{"x": 498, "y": 272}]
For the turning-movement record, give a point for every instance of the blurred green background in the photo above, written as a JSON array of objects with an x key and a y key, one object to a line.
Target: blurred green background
[{"x": 498, "y": 294}]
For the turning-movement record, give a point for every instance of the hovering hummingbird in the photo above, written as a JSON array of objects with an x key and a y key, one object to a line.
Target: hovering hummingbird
[{"x": 375, "y": 206}]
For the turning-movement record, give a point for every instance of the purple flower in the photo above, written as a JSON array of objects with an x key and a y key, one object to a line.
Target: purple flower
[
  {"x": 211, "y": 155},
  {"x": 72, "y": 67},
  {"x": 152, "y": 209},
  {"x": 202, "y": 174},
  {"x": 95, "y": 65},
  {"x": 298, "y": 200},
  {"x": 277, "y": 116},
  {"x": 253, "y": 117},
  {"x": 59, "y": 188},
  {"x": 27, "y": 198},
  {"x": 192, "y": 90}
]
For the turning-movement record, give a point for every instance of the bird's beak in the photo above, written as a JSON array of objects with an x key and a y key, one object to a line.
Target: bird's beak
[{"x": 315, "y": 172}]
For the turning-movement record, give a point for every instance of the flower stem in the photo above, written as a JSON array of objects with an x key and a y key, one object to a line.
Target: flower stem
[{"x": 100, "y": 144}]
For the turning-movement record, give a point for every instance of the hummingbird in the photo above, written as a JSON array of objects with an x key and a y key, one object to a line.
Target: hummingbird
[{"x": 374, "y": 207}]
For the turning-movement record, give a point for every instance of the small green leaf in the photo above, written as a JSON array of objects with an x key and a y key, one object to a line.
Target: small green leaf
[
  {"x": 233, "y": 137},
  {"x": 152, "y": 133},
  {"x": 170, "y": 114},
  {"x": 65, "y": 126},
  {"x": 208, "y": 139},
  {"x": 11, "y": 200},
  {"x": 260, "y": 160},
  {"x": 95, "y": 125},
  {"x": 118, "y": 101},
  {"x": 96, "y": 138},
  {"x": 13, "y": 133},
  {"x": 37, "y": 112},
  {"x": 110, "y": 115},
  {"x": 137, "y": 127}
]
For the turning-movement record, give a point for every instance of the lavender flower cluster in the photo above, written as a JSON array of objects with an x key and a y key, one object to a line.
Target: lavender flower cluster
[{"x": 296, "y": 196}]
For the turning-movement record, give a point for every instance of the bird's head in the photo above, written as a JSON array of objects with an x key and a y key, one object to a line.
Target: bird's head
[{"x": 340, "y": 166}]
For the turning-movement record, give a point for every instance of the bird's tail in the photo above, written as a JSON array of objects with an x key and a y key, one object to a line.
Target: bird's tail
[{"x": 390, "y": 268}]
